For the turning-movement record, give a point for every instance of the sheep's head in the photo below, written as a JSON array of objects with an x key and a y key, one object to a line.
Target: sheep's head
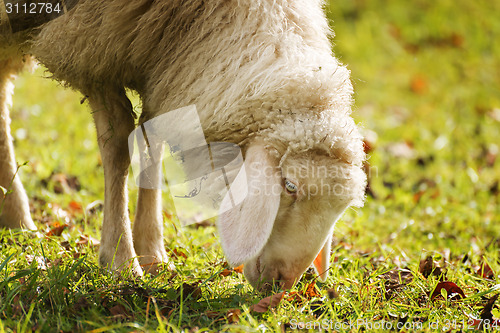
[{"x": 285, "y": 223}]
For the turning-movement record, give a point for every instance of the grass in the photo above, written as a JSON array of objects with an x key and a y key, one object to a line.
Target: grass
[{"x": 427, "y": 78}]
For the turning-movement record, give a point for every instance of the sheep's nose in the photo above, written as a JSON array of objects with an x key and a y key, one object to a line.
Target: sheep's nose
[
  {"x": 288, "y": 284},
  {"x": 278, "y": 281}
]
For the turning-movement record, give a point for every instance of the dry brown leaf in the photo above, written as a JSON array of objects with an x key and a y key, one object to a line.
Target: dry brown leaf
[
  {"x": 454, "y": 292},
  {"x": 332, "y": 293},
  {"x": 57, "y": 231},
  {"x": 369, "y": 140},
  {"x": 17, "y": 307},
  {"x": 311, "y": 291},
  {"x": 487, "y": 321},
  {"x": 88, "y": 240},
  {"x": 189, "y": 290},
  {"x": 226, "y": 272},
  {"x": 268, "y": 303},
  {"x": 418, "y": 85},
  {"x": 65, "y": 183},
  {"x": 395, "y": 280},
  {"x": 486, "y": 314},
  {"x": 428, "y": 266},
  {"x": 119, "y": 312},
  {"x": 81, "y": 304},
  {"x": 233, "y": 315},
  {"x": 179, "y": 253},
  {"x": 94, "y": 207},
  {"x": 212, "y": 314},
  {"x": 75, "y": 206},
  {"x": 77, "y": 255},
  {"x": 485, "y": 271},
  {"x": 167, "y": 215}
]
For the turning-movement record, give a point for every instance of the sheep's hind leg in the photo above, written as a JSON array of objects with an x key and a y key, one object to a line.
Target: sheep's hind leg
[
  {"x": 113, "y": 116},
  {"x": 148, "y": 225},
  {"x": 14, "y": 208}
]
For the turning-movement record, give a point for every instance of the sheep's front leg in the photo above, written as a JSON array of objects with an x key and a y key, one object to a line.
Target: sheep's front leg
[
  {"x": 14, "y": 208},
  {"x": 148, "y": 230},
  {"x": 148, "y": 225},
  {"x": 113, "y": 116}
]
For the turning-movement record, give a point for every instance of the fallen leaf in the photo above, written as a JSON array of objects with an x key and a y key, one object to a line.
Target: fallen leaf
[
  {"x": 311, "y": 291},
  {"x": 487, "y": 321},
  {"x": 81, "y": 304},
  {"x": 317, "y": 308},
  {"x": 233, "y": 316},
  {"x": 189, "y": 290},
  {"x": 88, "y": 240},
  {"x": 417, "y": 196},
  {"x": 17, "y": 307},
  {"x": 332, "y": 293},
  {"x": 267, "y": 303},
  {"x": 226, "y": 272},
  {"x": 400, "y": 276},
  {"x": 94, "y": 207},
  {"x": 428, "y": 266},
  {"x": 167, "y": 215},
  {"x": 485, "y": 271},
  {"x": 395, "y": 280},
  {"x": 367, "y": 146},
  {"x": 57, "y": 231},
  {"x": 203, "y": 224},
  {"x": 75, "y": 206},
  {"x": 55, "y": 262},
  {"x": 63, "y": 183},
  {"x": 486, "y": 313},
  {"x": 490, "y": 156},
  {"x": 454, "y": 292},
  {"x": 369, "y": 140},
  {"x": 179, "y": 253},
  {"x": 66, "y": 245},
  {"x": 119, "y": 312},
  {"x": 77, "y": 255},
  {"x": 418, "y": 85},
  {"x": 457, "y": 40},
  {"x": 212, "y": 314},
  {"x": 238, "y": 269}
]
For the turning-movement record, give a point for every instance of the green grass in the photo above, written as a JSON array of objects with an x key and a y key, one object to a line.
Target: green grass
[{"x": 427, "y": 77}]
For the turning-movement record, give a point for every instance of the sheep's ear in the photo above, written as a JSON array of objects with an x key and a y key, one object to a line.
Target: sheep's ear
[
  {"x": 322, "y": 261},
  {"x": 245, "y": 228}
]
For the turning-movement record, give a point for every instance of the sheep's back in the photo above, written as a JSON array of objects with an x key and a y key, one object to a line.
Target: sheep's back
[{"x": 244, "y": 64}]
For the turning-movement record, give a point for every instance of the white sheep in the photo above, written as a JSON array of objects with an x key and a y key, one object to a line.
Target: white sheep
[{"x": 261, "y": 74}]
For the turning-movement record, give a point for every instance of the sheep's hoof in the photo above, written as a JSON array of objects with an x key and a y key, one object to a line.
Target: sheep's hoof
[
  {"x": 14, "y": 217},
  {"x": 154, "y": 264},
  {"x": 120, "y": 264},
  {"x": 156, "y": 267},
  {"x": 17, "y": 222}
]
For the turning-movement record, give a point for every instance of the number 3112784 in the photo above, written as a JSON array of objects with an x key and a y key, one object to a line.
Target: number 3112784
[{"x": 32, "y": 8}]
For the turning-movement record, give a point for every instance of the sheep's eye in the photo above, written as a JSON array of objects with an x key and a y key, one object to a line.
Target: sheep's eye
[{"x": 290, "y": 187}]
